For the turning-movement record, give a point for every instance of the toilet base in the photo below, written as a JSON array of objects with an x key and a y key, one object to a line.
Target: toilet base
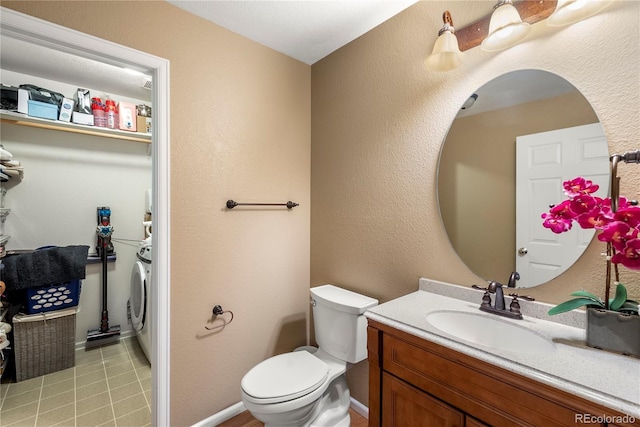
[
  {"x": 334, "y": 405},
  {"x": 330, "y": 410}
]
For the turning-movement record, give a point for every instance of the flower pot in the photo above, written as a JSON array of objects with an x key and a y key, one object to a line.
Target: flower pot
[{"x": 611, "y": 330}]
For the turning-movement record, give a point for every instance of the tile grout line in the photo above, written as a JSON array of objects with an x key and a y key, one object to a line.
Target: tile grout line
[
  {"x": 139, "y": 381},
  {"x": 106, "y": 376},
  {"x": 75, "y": 395},
  {"x": 39, "y": 400}
]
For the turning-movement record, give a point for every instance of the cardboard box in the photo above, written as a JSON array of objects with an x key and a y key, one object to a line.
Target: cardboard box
[
  {"x": 143, "y": 124},
  {"x": 66, "y": 109},
  {"x": 82, "y": 118},
  {"x": 43, "y": 110}
]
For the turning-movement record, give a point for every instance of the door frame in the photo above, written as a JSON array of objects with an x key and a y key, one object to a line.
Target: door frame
[{"x": 27, "y": 28}]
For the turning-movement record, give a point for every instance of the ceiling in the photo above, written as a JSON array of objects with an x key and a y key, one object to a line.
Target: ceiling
[{"x": 307, "y": 30}]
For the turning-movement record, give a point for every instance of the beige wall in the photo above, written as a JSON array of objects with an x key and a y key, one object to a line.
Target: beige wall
[
  {"x": 240, "y": 128},
  {"x": 477, "y": 177},
  {"x": 378, "y": 120}
]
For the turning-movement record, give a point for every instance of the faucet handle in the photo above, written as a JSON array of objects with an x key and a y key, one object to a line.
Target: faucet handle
[
  {"x": 480, "y": 288},
  {"x": 486, "y": 300},
  {"x": 524, "y": 297},
  {"x": 514, "y": 307}
]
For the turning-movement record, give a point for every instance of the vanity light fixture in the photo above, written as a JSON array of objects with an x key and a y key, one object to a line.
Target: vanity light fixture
[
  {"x": 446, "y": 54},
  {"x": 510, "y": 23},
  {"x": 571, "y": 11},
  {"x": 506, "y": 28}
]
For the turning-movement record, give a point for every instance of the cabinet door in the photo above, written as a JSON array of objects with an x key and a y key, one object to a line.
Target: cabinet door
[
  {"x": 404, "y": 405},
  {"x": 472, "y": 422}
]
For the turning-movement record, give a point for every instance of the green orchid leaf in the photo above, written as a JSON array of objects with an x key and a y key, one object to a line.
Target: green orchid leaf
[
  {"x": 620, "y": 298},
  {"x": 629, "y": 307},
  {"x": 573, "y": 304},
  {"x": 587, "y": 294}
]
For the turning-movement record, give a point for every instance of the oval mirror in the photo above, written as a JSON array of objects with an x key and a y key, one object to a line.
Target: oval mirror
[{"x": 502, "y": 164}]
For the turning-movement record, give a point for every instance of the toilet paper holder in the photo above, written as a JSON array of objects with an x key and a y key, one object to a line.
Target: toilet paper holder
[{"x": 218, "y": 311}]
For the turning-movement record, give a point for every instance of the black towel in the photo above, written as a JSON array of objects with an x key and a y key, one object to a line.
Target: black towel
[{"x": 45, "y": 267}]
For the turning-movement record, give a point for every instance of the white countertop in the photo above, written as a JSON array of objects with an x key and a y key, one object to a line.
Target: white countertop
[{"x": 602, "y": 377}]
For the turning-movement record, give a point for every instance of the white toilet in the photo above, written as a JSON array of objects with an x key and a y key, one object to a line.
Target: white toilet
[{"x": 304, "y": 389}]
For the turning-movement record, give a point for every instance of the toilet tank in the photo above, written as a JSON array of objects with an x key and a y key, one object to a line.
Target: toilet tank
[{"x": 339, "y": 322}]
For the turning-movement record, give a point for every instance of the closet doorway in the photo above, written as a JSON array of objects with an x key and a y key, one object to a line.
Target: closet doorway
[{"x": 14, "y": 25}]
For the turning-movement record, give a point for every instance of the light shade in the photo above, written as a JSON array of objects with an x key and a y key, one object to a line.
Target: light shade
[
  {"x": 570, "y": 11},
  {"x": 506, "y": 29},
  {"x": 446, "y": 54}
]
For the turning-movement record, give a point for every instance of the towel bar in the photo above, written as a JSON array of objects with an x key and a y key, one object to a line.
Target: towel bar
[{"x": 232, "y": 204}]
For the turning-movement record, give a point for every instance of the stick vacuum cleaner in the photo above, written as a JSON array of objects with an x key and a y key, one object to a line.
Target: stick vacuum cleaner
[{"x": 105, "y": 334}]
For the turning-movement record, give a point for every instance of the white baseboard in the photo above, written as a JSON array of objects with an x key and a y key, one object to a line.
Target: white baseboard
[
  {"x": 359, "y": 408},
  {"x": 238, "y": 408},
  {"x": 222, "y": 416}
]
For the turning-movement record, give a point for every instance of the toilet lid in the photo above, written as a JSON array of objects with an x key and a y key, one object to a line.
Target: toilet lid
[{"x": 286, "y": 376}]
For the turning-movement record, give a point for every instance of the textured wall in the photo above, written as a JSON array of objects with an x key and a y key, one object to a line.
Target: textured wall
[
  {"x": 240, "y": 128},
  {"x": 379, "y": 117}
]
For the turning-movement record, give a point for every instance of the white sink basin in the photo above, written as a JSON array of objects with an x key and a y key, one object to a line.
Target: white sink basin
[{"x": 493, "y": 332}]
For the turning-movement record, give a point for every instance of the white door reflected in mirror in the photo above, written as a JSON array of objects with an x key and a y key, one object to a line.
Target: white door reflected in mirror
[{"x": 543, "y": 162}]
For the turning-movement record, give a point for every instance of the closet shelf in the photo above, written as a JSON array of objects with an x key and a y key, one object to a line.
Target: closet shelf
[{"x": 24, "y": 120}]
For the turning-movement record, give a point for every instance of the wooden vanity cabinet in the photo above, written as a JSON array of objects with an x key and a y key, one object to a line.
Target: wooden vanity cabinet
[{"x": 415, "y": 382}]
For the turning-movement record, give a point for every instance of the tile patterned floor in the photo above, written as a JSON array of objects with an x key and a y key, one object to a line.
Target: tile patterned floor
[{"x": 109, "y": 386}]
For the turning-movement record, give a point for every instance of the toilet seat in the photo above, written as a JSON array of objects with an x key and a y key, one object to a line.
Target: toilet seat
[{"x": 284, "y": 377}]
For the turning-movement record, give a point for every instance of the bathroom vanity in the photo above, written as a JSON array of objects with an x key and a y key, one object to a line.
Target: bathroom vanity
[{"x": 420, "y": 375}]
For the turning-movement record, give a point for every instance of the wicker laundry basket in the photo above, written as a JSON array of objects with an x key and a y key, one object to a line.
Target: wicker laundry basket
[{"x": 44, "y": 342}]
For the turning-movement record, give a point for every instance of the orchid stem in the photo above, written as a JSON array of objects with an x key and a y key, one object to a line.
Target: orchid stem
[{"x": 607, "y": 288}]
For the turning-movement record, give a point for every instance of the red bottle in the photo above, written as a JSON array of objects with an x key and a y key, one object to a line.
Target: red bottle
[
  {"x": 112, "y": 114},
  {"x": 99, "y": 115}
]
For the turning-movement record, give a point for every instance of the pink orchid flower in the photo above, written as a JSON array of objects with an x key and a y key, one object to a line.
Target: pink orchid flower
[
  {"x": 628, "y": 214},
  {"x": 595, "y": 218},
  {"x": 582, "y": 204},
  {"x": 579, "y": 186},
  {"x": 560, "y": 218},
  {"x": 621, "y": 229},
  {"x": 618, "y": 233},
  {"x": 629, "y": 256}
]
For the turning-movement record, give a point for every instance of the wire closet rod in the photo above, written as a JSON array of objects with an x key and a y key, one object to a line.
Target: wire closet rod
[{"x": 232, "y": 204}]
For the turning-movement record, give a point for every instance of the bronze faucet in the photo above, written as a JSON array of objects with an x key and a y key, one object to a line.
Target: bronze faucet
[{"x": 499, "y": 307}]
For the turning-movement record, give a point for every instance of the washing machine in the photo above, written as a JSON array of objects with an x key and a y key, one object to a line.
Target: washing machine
[{"x": 140, "y": 299}]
